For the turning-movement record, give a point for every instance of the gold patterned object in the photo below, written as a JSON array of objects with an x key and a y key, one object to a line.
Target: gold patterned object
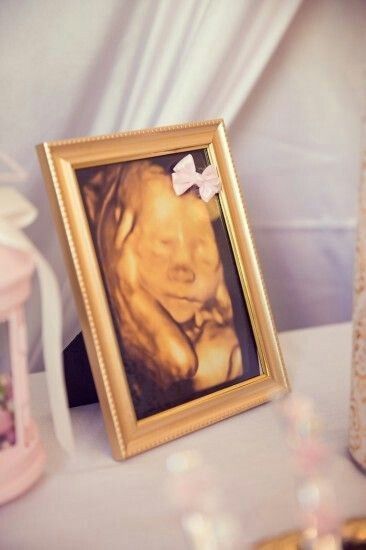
[
  {"x": 357, "y": 436},
  {"x": 170, "y": 295},
  {"x": 353, "y": 537}
]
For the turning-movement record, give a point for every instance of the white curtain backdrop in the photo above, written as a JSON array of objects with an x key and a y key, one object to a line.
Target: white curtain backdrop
[{"x": 286, "y": 77}]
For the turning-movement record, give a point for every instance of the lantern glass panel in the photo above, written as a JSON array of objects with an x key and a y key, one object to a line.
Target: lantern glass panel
[{"x": 7, "y": 416}]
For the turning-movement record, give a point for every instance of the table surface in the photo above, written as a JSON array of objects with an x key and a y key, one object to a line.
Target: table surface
[{"x": 92, "y": 501}]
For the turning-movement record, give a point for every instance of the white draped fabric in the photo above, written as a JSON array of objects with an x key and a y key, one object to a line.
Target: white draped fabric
[{"x": 285, "y": 76}]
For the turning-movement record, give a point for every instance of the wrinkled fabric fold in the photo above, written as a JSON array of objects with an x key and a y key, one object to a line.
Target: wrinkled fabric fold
[{"x": 148, "y": 63}]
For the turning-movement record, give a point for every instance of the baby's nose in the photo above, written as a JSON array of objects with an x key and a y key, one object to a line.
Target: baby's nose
[{"x": 181, "y": 273}]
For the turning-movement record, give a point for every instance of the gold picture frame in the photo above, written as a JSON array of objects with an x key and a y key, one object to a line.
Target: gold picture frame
[{"x": 64, "y": 163}]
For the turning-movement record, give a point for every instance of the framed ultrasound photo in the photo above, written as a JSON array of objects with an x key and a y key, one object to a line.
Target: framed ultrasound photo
[{"x": 172, "y": 306}]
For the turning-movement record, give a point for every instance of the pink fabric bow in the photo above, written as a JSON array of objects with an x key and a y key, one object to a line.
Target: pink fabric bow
[{"x": 185, "y": 176}]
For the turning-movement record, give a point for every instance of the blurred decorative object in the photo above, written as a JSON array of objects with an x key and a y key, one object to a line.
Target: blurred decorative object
[
  {"x": 21, "y": 454},
  {"x": 193, "y": 490},
  {"x": 357, "y": 436},
  {"x": 311, "y": 458},
  {"x": 353, "y": 534}
]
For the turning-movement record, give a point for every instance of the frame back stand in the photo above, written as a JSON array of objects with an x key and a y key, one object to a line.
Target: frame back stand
[{"x": 78, "y": 376}]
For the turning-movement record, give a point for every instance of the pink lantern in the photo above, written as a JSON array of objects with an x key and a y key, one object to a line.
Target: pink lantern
[{"x": 22, "y": 457}]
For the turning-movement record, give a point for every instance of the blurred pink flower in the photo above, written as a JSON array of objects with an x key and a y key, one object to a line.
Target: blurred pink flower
[{"x": 310, "y": 456}]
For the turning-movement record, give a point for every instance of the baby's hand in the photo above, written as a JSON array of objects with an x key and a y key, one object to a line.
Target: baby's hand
[{"x": 219, "y": 356}]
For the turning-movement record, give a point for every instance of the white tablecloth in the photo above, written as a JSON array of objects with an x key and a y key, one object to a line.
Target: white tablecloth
[{"x": 93, "y": 502}]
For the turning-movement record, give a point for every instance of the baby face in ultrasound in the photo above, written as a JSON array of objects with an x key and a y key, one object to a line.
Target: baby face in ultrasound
[
  {"x": 166, "y": 280},
  {"x": 178, "y": 259}
]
